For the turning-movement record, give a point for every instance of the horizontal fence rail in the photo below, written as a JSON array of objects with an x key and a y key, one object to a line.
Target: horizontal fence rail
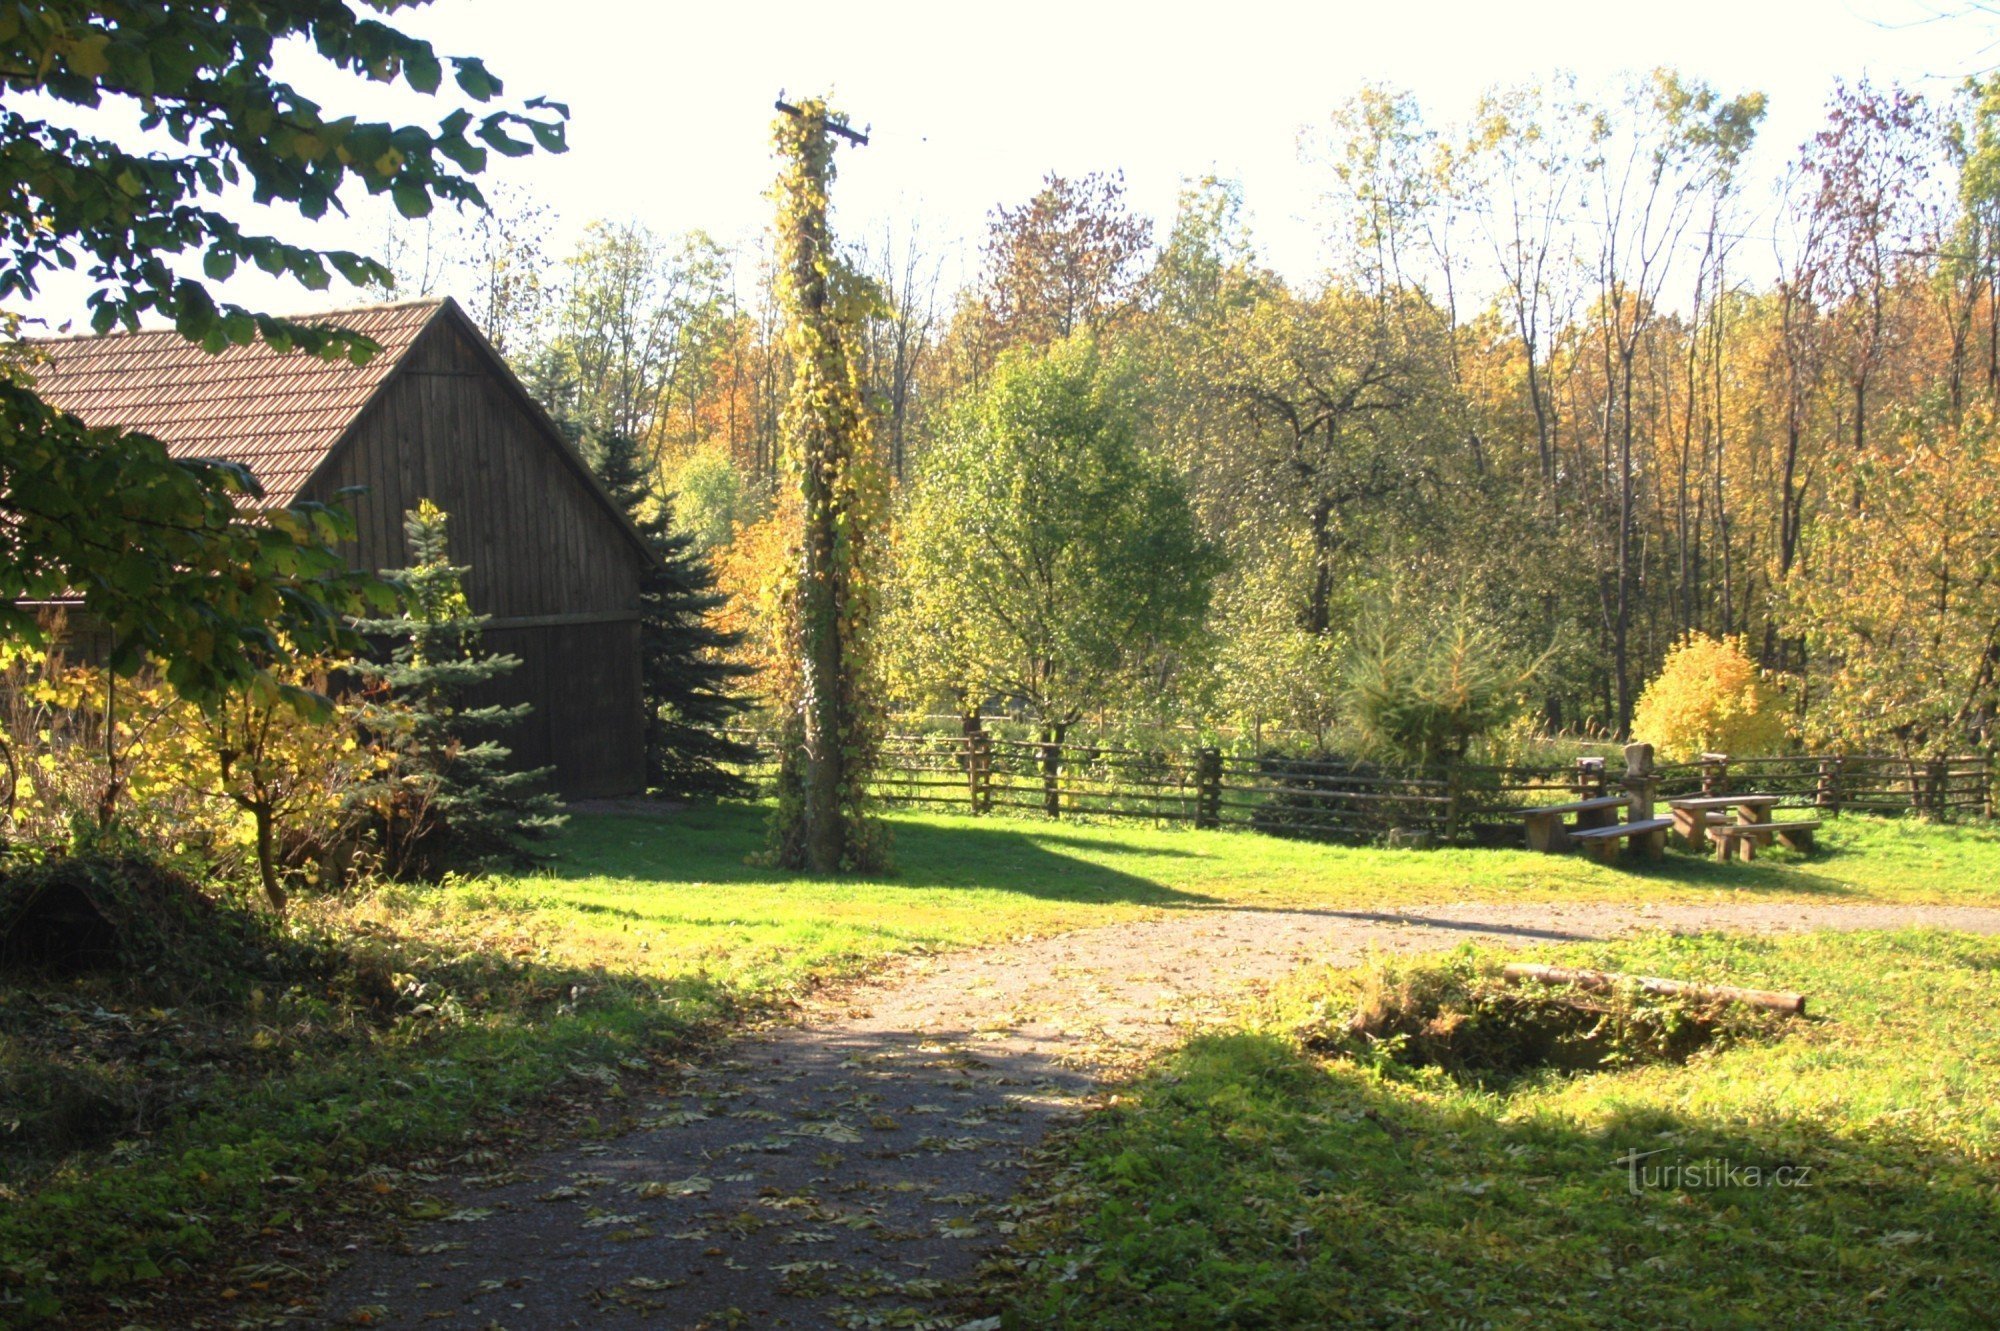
[{"x": 1334, "y": 799}]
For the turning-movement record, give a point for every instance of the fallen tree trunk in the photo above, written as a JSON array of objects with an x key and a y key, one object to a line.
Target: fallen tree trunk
[{"x": 1769, "y": 999}]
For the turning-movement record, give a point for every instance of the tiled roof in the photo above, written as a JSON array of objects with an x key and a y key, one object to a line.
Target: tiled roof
[{"x": 277, "y": 414}]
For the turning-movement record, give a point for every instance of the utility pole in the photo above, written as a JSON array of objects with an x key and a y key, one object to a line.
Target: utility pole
[
  {"x": 859, "y": 138},
  {"x": 831, "y": 735}
]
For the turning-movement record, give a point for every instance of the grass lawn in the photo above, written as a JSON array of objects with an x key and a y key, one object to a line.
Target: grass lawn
[
  {"x": 1255, "y": 1180},
  {"x": 155, "y": 1136}
]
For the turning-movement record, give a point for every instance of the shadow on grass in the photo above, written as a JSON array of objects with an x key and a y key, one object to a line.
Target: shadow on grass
[
  {"x": 1251, "y": 1178},
  {"x": 1771, "y": 873},
  {"x": 1107, "y": 847},
  {"x": 715, "y": 844},
  {"x": 362, "y": 1058}
]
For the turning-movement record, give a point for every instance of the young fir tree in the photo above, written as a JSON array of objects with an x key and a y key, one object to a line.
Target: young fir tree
[
  {"x": 690, "y": 690},
  {"x": 445, "y": 798}
]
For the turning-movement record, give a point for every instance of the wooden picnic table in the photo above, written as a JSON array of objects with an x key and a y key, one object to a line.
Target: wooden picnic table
[
  {"x": 1543, "y": 823},
  {"x": 1746, "y": 800},
  {"x": 1693, "y": 816}
]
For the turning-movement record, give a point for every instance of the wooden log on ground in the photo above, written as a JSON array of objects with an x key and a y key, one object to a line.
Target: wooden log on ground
[{"x": 1769, "y": 999}]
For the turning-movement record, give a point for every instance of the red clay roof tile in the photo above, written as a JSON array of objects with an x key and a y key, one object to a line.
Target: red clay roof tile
[{"x": 279, "y": 415}]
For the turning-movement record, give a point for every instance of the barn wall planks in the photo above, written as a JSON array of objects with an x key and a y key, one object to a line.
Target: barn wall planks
[
  {"x": 584, "y": 682},
  {"x": 539, "y": 542}
]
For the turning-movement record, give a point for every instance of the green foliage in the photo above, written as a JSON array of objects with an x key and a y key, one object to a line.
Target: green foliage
[
  {"x": 629, "y": 350},
  {"x": 163, "y": 553},
  {"x": 1041, "y": 557},
  {"x": 204, "y": 81},
  {"x": 1709, "y": 697},
  {"x": 1421, "y": 692},
  {"x": 444, "y": 796},
  {"x": 1270, "y": 670},
  {"x": 692, "y": 691},
  {"x": 192, "y": 111},
  {"x": 711, "y": 499}
]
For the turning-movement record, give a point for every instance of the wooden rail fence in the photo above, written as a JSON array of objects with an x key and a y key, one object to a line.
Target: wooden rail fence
[{"x": 1335, "y": 799}]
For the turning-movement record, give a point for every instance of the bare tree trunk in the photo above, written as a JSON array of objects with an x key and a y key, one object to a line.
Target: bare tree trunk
[{"x": 267, "y": 856}]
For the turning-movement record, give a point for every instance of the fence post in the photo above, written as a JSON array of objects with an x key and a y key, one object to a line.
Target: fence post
[
  {"x": 1208, "y": 787},
  {"x": 1050, "y": 755},
  {"x": 1454, "y": 794},
  {"x": 1936, "y": 792},
  {"x": 1714, "y": 774},
  {"x": 1589, "y": 778},
  {"x": 979, "y": 770},
  {"x": 1826, "y": 791}
]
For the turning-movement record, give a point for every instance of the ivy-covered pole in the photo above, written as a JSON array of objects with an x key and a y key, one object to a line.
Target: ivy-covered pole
[{"x": 832, "y": 724}]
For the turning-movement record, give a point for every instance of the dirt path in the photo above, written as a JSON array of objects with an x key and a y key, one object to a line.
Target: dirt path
[{"x": 842, "y": 1172}]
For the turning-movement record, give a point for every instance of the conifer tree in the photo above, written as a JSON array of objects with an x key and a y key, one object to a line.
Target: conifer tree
[
  {"x": 690, "y": 690},
  {"x": 445, "y": 797}
]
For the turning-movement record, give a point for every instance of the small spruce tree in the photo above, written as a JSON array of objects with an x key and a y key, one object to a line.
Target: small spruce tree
[
  {"x": 444, "y": 797},
  {"x": 691, "y": 691},
  {"x": 1422, "y": 692}
]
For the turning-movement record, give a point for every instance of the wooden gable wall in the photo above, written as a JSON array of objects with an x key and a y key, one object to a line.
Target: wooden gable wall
[
  {"x": 558, "y": 572},
  {"x": 444, "y": 429}
]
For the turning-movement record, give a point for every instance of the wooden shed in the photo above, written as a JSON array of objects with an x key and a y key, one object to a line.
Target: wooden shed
[{"x": 435, "y": 415}]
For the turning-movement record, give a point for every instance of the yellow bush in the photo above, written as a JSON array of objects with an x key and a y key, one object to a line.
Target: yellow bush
[
  {"x": 252, "y": 778},
  {"x": 1709, "y": 697}
]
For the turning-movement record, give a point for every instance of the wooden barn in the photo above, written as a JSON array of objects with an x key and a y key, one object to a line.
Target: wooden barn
[{"x": 435, "y": 415}]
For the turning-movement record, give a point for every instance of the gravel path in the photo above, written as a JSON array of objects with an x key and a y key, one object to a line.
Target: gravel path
[{"x": 842, "y": 1172}]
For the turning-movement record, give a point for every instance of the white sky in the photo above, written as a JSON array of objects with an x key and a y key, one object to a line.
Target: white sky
[{"x": 971, "y": 104}]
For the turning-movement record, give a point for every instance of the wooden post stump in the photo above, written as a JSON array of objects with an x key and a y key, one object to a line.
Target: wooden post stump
[
  {"x": 1826, "y": 790},
  {"x": 1589, "y": 778},
  {"x": 979, "y": 770},
  {"x": 1208, "y": 788},
  {"x": 1642, "y": 795}
]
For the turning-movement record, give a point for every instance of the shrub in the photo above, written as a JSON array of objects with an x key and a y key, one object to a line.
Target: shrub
[
  {"x": 90, "y": 757},
  {"x": 91, "y": 761},
  {"x": 1709, "y": 697}
]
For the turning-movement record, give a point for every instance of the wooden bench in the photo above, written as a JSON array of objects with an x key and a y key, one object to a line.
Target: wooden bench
[
  {"x": 1649, "y": 834},
  {"x": 1740, "y": 840},
  {"x": 1544, "y": 822}
]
